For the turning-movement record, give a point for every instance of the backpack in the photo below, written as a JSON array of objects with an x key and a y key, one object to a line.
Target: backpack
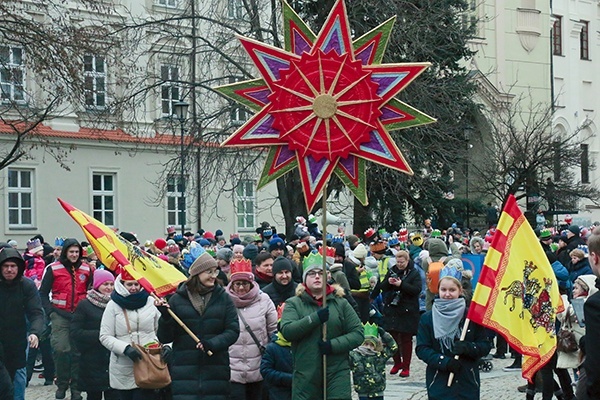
[{"x": 433, "y": 274}]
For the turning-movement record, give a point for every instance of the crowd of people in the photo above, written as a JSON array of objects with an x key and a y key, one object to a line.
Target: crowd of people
[{"x": 264, "y": 315}]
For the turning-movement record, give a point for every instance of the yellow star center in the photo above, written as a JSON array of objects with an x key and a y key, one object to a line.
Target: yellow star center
[{"x": 324, "y": 106}]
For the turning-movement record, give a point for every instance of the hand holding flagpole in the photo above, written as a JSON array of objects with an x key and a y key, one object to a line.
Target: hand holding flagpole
[{"x": 462, "y": 337}]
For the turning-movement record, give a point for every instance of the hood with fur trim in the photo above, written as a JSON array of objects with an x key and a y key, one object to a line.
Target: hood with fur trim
[{"x": 339, "y": 291}]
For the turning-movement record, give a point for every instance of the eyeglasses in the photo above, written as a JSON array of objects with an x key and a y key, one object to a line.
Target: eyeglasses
[
  {"x": 212, "y": 272},
  {"x": 241, "y": 283},
  {"x": 314, "y": 273}
]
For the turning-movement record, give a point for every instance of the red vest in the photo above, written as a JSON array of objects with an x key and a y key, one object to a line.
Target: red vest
[{"x": 67, "y": 289}]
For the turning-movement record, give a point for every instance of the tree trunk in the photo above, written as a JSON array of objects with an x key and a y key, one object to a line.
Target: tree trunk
[
  {"x": 291, "y": 199},
  {"x": 362, "y": 218}
]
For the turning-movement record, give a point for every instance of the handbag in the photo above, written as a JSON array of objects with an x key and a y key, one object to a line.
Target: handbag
[
  {"x": 252, "y": 335},
  {"x": 151, "y": 372},
  {"x": 566, "y": 341}
]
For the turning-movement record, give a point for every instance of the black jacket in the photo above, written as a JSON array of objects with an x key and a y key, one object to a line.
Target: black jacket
[
  {"x": 19, "y": 299},
  {"x": 591, "y": 310},
  {"x": 85, "y": 333},
  {"x": 196, "y": 375},
  {"x": 279, "y": 293},
  {"x": 276, "y": 367},
  {"x": 404, "y": 316}
]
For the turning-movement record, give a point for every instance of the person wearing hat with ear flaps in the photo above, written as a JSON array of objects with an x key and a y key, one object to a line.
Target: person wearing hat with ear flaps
[{"x": 301, "y": 324}]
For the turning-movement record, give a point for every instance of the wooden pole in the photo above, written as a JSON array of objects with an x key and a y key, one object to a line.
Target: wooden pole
[
  {"x": 184, "y": 326},
  {"x": 324, "y": 252},
  {"x": 462, "y": 337}
]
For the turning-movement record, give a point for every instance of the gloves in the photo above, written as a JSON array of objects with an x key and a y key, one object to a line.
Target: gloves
[
  {"x": 166, "y": 353},
  {"x": 323, "y": 314},
  {"x": 453, "y": 365},
  {"x": 466, "y": 349},
  {"x": 325, "y": 347},
  {"x": 132, "y": 353}
]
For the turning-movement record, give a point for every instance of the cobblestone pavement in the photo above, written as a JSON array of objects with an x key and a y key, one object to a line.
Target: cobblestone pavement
[{"x": 495, "y": 385}]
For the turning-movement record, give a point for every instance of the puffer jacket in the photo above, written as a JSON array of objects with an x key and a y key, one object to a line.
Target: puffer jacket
[
  {"x": 196, "y": 375},
  {"x": 115, "y": 336},
  {"x": 244, "y": 354},
  {"x": 300, "y": 325},
  {"x": 368, "y": 367},
  {"x": 276, "y": 367}
]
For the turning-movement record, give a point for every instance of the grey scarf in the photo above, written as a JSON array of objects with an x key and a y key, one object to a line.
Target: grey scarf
[{"x": 446, "y": 316}]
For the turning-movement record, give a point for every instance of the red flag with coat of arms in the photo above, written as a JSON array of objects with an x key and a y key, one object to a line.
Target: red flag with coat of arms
[{"x": 517, "y": 292}]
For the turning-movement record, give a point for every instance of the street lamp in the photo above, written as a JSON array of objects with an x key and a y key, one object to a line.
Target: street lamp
[
  {"x": 467, "y": 132},
  {"x": 180, "y": 109}
]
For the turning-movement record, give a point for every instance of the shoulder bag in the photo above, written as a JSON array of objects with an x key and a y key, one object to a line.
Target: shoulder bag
[
  {"x": 566, "y": 341},
  {"x": 252, "y": 335},
  {"x": 151, "y": 371}
]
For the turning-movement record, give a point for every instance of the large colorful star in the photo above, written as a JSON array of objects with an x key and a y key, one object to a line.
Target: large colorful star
[{"x": 325, "y": 104}]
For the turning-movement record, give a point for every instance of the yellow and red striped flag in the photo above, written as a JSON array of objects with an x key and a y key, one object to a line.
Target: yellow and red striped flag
[
  {"x": 517, "y": 293},
  {"x": 153, "y": 274}
]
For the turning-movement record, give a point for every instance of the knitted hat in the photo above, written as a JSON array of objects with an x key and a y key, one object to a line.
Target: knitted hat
[
  {"x": 574, "y": 229},
  {"x": 545, "y": 234},
  {"x": 236, "y": 241},
  {"x": 455, "y": 263},
  {"x": 237, "y": 248},
  {"x": 101, "y": 276},
  {"x": 224, "y": 254},
  {"x": 33, "y": 246},
  {"x": 241, "y": 270},
  {"x": 218, "y": 232},
  {"x": 281, "y": 264},
  {"x": 340, "y": 250},
  {"x": 311, "y": 262},
  {"x": 203, "y": 242},
  {"x": 160, "y": 244},
  {"x": 377, "y": 247},
  {"x": 276, "y": 244},
  {"x": 353, "y": 240},
  {"x": 360, "y": 251},
  {"x": 209, "y": 235},
  {"x": 203, "y": 263},
  {"x": 250, "y": 252}
]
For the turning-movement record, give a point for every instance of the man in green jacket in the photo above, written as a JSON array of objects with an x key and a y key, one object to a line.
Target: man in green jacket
[{"x": 301, "y": 323}]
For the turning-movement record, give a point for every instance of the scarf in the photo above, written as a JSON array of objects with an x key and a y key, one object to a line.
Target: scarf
[
  {"x": 200, "y": 300},
  {"x": 282, "y": 341},
  {"x": 132, "y": 301},
  {"x": 98, "y": 299},
  {"x": 330, "y": 290},
  {"x": 263, "y": 277},
  {"x": 366, "y": 351},
  {"x": 446, "y": 318},
  {"x": 244, "y": 300},
  {"x": 286, "y": 291}
]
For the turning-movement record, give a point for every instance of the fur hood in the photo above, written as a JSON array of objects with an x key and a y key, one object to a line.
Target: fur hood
[
  {"x": 339, "y": 291},
  {"x": 467, "y": 273}
]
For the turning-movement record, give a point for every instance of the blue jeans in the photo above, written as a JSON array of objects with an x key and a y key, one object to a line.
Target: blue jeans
[{"x": 19, "y": 383}]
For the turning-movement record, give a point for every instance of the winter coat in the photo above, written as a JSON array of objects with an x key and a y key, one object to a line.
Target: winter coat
[
  {"x": 85, "y": 332},
  {"x": 244, "y": 354},
  {"x": 403, "y": 317},
  {"x": 279, "y": 293},
  {"x": 466, "y": 384},
  {"x": 115, "y": 336},
  {"x": 276, "y": 368},
  {"x": 19, "y": 299},
  {"x": 569, "y": 360},
  {"x": 368, "y": 370},
  {"x": 196, "y": 375},
  {"x": 301, "y": 325},
  {"x": 34, "y": 266},
  {"x": 591, "y": 310},
  {"x": 351, "y": 273},
  {"x": 580, "y": 268},
  {"x": 338, "y": 275}
]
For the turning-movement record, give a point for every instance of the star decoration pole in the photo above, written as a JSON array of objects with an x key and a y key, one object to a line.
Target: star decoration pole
[{"x": 325, "y": 104}]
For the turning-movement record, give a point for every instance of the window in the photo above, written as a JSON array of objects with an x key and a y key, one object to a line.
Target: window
[
  {"x": 584, "y": 41},
  {"x": 245, "y": 204},
  {"x": 557, "y": 36},
  {"x": 12, "y": 74},
  {"x": 169, "y": 89},
  {"x": 470, "y": 18},
  {"x": 175, "y": 201},
  {"x": 585, "y": 164},
  {"x": 235, "y": 9},
  {"x": 20, "y": 197},
  {"x": 94, "y": 73},
  {"x": 103, "y": 198},
  {"x": 167, "y": 3},
  {"x": 238, "y": 114}
]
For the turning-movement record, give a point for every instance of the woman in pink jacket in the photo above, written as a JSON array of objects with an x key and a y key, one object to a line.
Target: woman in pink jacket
[{"x": 258, "y": 322}]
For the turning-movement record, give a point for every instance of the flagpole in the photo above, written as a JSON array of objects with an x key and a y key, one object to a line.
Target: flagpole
[
  {"x": 181, "y": 323},
  {"x": 462, "y": 337},
  {"x": 324, "y": 253}
]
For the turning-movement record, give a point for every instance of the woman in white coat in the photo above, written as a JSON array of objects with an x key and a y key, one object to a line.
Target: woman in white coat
[
  {"x": 128, "y": 297},
  {"x": 256, "y": 312}
]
